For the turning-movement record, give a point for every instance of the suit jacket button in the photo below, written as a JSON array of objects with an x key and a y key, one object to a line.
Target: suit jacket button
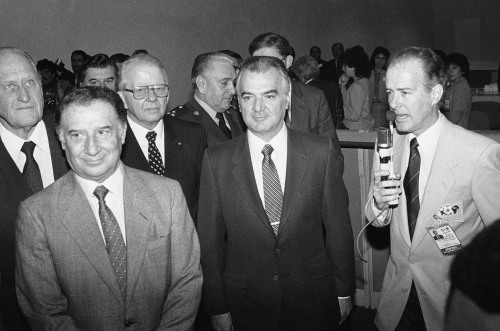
[
  {"x": 412, "y": 260},
  {"x": 128, "y": 324},
  {"x": 275, "y": 277},
  {"x": 404, "y": 290},
  {"x": 277, "y": 250}
]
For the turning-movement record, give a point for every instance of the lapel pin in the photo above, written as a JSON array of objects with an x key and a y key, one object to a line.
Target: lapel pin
[{"x": 196, "y": 113}]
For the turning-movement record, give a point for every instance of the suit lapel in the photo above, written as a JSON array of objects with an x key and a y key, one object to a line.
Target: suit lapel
[
  {"x": 214, "y": 133},
  {"x": 440, "y": 182},
  {"x": 81, "y": 224},
  {"x": 244, "y": 176},
  {"x": 137, "y": 224},
  {"x": 296, "y": 165},
  {"x": 174, "y": 147},
  {"x": 298, "y": 107},
  {"x": 59, "y": 165},
  {"x": 132, "y": 154},
  {"x": 14, "y": 179}
]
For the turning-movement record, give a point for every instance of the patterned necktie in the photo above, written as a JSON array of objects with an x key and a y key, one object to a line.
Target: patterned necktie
[
  {"x": 411, "y": 186},
  {"x": 115, "y": 245},
  {"x": 154, "y": 156},
  {"x": 287, "y": 118},
  {"x": 273, "y": 196},
  {"x": 31, "y": 171},
  {"x": 222, "y": 125}
]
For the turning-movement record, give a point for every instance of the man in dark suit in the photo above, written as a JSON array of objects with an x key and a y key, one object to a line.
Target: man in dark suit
[
  {"x": 309, "y": 110},
  {"x": 334, "y": 66},
  {"x": 156, "y": 142},
  {"x": 307, "y": 71},
  {"x": 30, "y": 159},
  {"x": 275, "y": 233},
  {"x": 315, "y": 53},
  {"x": 213, "y": 76},
  {"x": 106, "y": 247}
]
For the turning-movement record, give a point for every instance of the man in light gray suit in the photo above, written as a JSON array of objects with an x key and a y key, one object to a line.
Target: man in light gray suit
[{"x": 106, "y": 247}]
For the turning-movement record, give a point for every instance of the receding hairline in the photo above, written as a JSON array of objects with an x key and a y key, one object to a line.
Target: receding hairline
[
  {"x": 216, "y": 58},
  {"x": 136, "y": 61},
  {"x": 5, "y": 52}
]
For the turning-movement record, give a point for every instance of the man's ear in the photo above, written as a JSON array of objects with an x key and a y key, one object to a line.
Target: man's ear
[
  {"x": 122, "y": 96},
  {"x": 436, "y": 94},
  {"x": 201, "y": 84},
  {"x": 124, "y": 133},
  {"x": 288, "y": 60},
  {"x": 60, "y": 135}
]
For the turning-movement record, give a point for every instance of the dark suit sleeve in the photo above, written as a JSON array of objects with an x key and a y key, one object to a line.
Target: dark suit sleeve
[
  {"x": 40, "y": 297},
  {"x": 327, "y": 129},
  {"x": 211, "y": 231},
  {"x": 337, "y": 222},
  {"x": 184, "y": 294}
]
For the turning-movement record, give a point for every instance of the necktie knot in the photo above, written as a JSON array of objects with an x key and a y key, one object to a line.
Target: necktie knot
[
  {"x": 151, "y": 136},
  {"x": 28, "y": 148},
  {"x": 267, "y": 150},
  {"x": 414, "y": 144},
  {"x": 100, "y": 192},
  {"x": 220, "y": 116}
]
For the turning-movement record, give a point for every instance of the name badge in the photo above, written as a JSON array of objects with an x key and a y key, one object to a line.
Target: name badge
[{"x": 445, "y": 238}]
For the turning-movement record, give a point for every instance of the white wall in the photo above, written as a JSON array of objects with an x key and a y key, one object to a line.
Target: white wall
[{"x": 177, "y": 30}]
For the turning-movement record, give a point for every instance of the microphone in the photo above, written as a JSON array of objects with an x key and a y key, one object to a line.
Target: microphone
[{"x": 385, "y": 150}]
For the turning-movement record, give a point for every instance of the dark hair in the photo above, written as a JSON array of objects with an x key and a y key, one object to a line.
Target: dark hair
[
  {"x": 379, "y": 50},
  {"x": 271, "y": 39},
  {"x": 459, "y": 60},
  {"x": 432, "y": 64},
  {"x": 475, "y": 270},
  {"x": 306, "y": 68},
  {"x": 262, "y": 64},
  {"x": 232, "y": 54},
  {"x": 99, "y": 61},
  {"x": 119, "y": 57},
  {"x": 440, "y": 53},
  {"x": 79, "y": 52},
  {"x": 140, "y": 51},
  {"x": 202, "y": 64},
  {"x": 312, "y": 47},
  {"x": 84, "y": 96},
  {"x": 357, "y": 58},
  {"x": 47, "y": 64},
  {"x": 340, "y": 44}
]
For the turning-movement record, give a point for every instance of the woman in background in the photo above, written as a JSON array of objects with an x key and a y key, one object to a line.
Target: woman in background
[
  {"x": 380, "y": 104},
  {"x": 458, "y": 98},
  {"x": 358, "y": 97}
]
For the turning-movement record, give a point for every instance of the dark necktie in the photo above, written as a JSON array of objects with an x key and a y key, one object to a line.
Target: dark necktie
[
  {"x": 31, "y": 172},
  {"x": 115, "y": 245},
  {"x": 222, "y": 125},
  {"x": 411, "y": 186},
  {"x": 154, "y": 156},
  {"x": 288, "y": 122},
  {"x": 273, "y": 196}
]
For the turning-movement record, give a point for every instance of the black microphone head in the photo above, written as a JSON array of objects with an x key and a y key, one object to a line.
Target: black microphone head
[{"x": 390, "y": 116}]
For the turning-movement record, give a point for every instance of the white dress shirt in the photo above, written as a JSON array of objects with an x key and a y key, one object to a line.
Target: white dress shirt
[
  {"x": 279, "y": 155},
  {"x": 114, "y": 198},
  {"x": 212, "y": 112},
  {"x": 140, "y": 134},
  {"x": 13, "y": 144}
]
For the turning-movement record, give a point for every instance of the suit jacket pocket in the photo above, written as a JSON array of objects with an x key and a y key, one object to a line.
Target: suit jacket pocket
[
  {"x": 320, "y": 269},
  {"x": 157, "y": 244},
  {"x": 314, "y": 130},
  {"x": 310, "y": 191},
  {"x": 235, "y": 279}
]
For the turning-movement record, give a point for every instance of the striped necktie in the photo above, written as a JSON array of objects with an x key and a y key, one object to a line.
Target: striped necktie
[
  {"x": 411, "y": 186},
  {"x": 273, "y": 196}
]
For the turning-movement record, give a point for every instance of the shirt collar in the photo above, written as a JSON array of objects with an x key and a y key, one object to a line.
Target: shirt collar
[
  {"x": 13, "y": 143},
  {"x": 206, "y": 107},
  {"x": 427, "y": 141},
  {"x": 113, "y": 183},
  {"x": 140, "y": 131},
  {"x": 256, "y": 144}
]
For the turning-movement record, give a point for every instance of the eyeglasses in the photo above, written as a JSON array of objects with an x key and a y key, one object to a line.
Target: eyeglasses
[{"x": 142, "y": 92}]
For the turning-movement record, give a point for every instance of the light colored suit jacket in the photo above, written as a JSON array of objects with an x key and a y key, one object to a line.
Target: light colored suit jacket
[
  {"x": 466, "y": 171},
  {"x": 64, "y": 277}
]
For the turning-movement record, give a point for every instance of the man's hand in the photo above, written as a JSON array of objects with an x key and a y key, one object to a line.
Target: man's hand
[
  {"x": 345, "y": 308},
  {"x": 387, "y": 190},
  {"x": 222, "y": 322}
]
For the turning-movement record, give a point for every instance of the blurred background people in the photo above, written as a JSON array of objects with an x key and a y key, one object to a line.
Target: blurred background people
[
  {"x": 357, "y": 98},
  {"x": 458, "y": 98},
  {"x": 380, "y": 104},
  {"x": 53, "y": 88},
  {"x": 307, "y": 71},
  {"x": 315, "y": 53},
  {"x": 119, "y": 58},
  {"x": 99, "y": 70},
  {"x": 78, "y": 57},
  {"x": 334, "y": 66}
]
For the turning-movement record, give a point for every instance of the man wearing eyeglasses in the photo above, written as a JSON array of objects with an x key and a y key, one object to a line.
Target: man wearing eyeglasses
[
  {"x": 213, "y": 76},
  {"x": 154, "y": 142}
]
